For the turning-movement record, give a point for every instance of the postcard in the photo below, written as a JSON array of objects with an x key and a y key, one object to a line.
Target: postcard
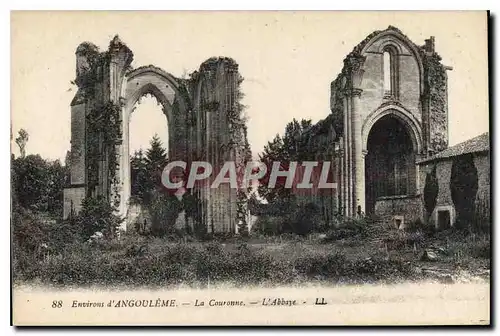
[{"x": 241, "y": 168}]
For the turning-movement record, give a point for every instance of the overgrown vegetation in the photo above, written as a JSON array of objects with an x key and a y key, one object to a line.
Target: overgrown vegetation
[
  {"x": 356, "y": 251},
  {"x": 157, "y": 263},
  {"x": 148, "y": 192},
  {"x": 136, "y": 260},
  {"x": 293, "y": 245},
  {"x": 37, "y": 184}
]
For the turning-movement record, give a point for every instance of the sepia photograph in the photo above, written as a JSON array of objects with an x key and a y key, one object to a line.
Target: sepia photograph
[{"x": 245, "y": 168}]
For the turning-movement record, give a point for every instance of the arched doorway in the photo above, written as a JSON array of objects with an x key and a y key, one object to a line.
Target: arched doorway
[{"x": 390, "y": 169}]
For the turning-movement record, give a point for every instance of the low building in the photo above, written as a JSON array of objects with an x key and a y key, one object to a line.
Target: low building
[{"x": 456, "y": 185}]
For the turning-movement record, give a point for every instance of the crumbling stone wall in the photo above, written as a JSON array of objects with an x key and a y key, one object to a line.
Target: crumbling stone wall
[
  {"x": 435, "y": 102},
  {"x": 205, "y": 122}
]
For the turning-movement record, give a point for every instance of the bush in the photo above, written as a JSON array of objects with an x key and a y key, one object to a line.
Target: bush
[
  {"x": 305, "y": 219},
  {"x": 136, "y": 264},
  {"x": 350, "y": 228},
  {"x": 398, "y": 239},
  {"x": 27, "y": 230},
  {"x": 268, "y": 225},
  {"x": 164, "y": 210},
  {"x": 481, "y": 250},
  {"x": 97, "y": 215},
  {"x": 377, "y": 268},
  {"x": 325, "y": 266}
]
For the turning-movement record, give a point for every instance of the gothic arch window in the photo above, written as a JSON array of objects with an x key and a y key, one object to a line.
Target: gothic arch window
[
  {"x": 390, "y": 169},
  {"x": 390, "y": 72}
]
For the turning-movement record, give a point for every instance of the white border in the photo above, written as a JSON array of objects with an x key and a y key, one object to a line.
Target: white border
[{"x": 178, "y": 5}]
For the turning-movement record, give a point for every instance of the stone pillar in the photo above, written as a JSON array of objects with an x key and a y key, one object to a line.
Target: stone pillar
[
  {"x": 348, "y": 156},
  {"x": 120, "y": 58},
  {"x": 358, "y": 158},
  {"x": 125, "y": 176},
  {"x": 74, "y": 194}
]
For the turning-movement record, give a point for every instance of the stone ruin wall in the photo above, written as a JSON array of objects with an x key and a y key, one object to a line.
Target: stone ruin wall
[{"x": 207, "y": 122}]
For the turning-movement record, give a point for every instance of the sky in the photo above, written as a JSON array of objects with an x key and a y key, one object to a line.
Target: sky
[{"x": 288, "y": 60}]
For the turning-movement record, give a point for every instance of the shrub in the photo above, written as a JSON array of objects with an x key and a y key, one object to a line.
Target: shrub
[
  {"x": 305, "y": 219},
  {"x": 268, "y": 225},
  {"x": 481, "y": 250},
  {"x": 97, "y": 215},
  {"x": 325, "y": 266},
  {"x": 398, "y": 239},
  {"x": 164, "y": 210},
  {"x": 377, "y": 268},
  {"x": 162, "y": 264},
  {"x": 27, "y": 230},
  {"x": 65, "y": 232},
  {"x": 350, "y": 228}
]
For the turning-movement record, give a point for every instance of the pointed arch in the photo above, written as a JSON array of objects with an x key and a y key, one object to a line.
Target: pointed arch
[
  {"x": 390, "y": 68},
  {"x": 395, "y": 39},
  {"x": 408, "y": 120}
]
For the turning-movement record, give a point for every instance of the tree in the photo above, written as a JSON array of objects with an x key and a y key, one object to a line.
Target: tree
[
  {"x": 97, "y": 215},
  {"x": 292, "y": 146},
  {"x": 164, "y": 210},
  {"x": 431, "y": 190},
  {"x": 38, "y": 184},
  {"x": 192, "y": 205},
  {"x": 140, "y": 181},
  {"x": 21, "y": 141},
  {"x": 57, "y": 177},
  {"x": 241, "y": 210},
  {"x": 463, "y": 187},
  {"x": 156, "y": 155},
  {"x": 156, "y": 159},
  {"x": 30, "y": 180}
]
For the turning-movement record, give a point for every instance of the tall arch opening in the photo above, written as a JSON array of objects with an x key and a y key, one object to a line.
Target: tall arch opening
[
  {"x": 148, "y": 144},
  {"x": 387, "y": 72},
  {"x": 390, "y": 71},
  {"x": 390, "y": 169}
]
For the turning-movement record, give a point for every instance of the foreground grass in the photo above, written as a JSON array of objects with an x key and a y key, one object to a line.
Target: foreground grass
[{"x": 136, "y": 261}]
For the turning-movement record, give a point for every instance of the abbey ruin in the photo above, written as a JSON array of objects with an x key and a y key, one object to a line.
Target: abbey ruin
[
  {"x": 388, "y": 131},
  {"x": 204, "y": 124},
  {"x": 389, "y": 115}
]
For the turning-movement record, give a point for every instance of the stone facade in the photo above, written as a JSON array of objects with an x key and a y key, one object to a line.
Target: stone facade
[
  {"x": 204, "y": 123},
  {"x": 386, "y": 76}
]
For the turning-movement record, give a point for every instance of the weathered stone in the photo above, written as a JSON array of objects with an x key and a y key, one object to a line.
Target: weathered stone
[
  {"x": 416, "y": 99},
  {"x": 429, "y": 255},
  {"x": 204, "y": 122}
]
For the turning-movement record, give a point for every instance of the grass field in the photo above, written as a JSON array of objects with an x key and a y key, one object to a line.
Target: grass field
[{"x": 135, "y": 260}]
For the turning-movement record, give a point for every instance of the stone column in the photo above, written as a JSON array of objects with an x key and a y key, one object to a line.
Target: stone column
[
  {"x": 120, "y": 57},
  {"x": 125, "y": 162},
  {"x": 347, "y": 156},
  {"x": 358, "y": 158},
  {"x": 342, "y": 177}
]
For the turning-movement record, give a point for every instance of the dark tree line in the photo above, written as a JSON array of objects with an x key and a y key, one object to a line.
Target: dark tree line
[
  {"x": 37, "y": 184},
  {"x": 291, "y": 146}
]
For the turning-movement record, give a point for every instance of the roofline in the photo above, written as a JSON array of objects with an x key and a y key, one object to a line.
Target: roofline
[{"x": 436, "y": 159}]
